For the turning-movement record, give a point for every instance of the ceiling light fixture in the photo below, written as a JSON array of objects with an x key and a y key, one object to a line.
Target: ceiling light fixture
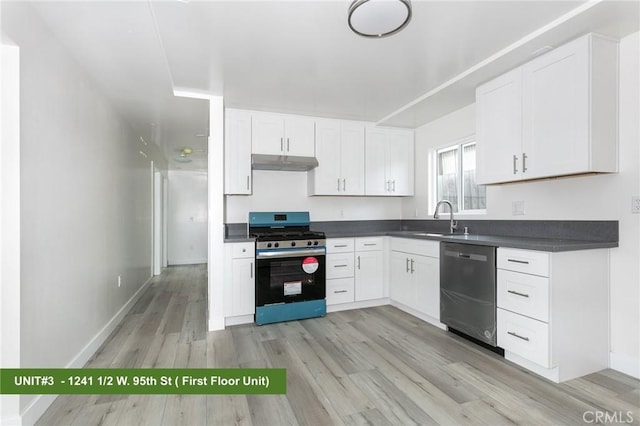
[
  {"x": 184, "y": 155},
  {"x": 379, "y": 18}
]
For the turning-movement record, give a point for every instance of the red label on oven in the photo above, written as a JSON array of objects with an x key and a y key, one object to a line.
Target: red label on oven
[{"x": 310, "y": 265}]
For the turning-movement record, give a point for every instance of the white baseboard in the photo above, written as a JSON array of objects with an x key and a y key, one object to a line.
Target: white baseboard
[
  {"x": 426, "y": 318},
  {"x": 240, "y": 319},
  {"x": 357, "y": 305},
  {"x": 625, "y": 364},
  {"x": 39, "y": 405},
  {"x": 178, "y": 262}
]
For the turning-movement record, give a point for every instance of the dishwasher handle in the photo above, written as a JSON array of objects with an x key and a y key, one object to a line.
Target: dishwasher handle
[{"x": 466, "y": 256}]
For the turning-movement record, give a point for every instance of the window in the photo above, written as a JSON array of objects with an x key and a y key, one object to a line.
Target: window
[{"x": 456, "y": 177}]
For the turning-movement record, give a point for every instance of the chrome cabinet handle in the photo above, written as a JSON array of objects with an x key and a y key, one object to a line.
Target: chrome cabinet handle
[
  {"x": 524, "y": 262},
  {"x": 412, "y": 270},
  {"x": 340, "y": 266},
  {"x": 407, "y": 265},
  {"x": 358, "y": 262},
  {"x": 338, "y": 184},
  {"x": 524, "y": 164},
  {"x": 281, "y": 144},
  {"x": 288, "y": 145},
  {"x": 515, "y": 162},
  {"x": 394, "y": 186},
  {"x": 248, "y": 177},
  {"x": 340, "y": 291},
  {"x": 370, "y": 244},
  {"x": 518, "y": 336},
  {"x": 344, "y": 184},
  {"x": 517, "y": 293},
  {"x": 251, "y": 269},
  {"x": 340, "y": 245}
]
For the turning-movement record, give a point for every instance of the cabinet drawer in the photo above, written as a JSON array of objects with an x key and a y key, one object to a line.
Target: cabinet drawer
[
  {"x": 419, "y": 247},
  {"x": 524, "y": 294},
  {"x": 339, "y": 265},
  {"x": 527, "y": 261},
  {"x": 240, "y": 250},
  {"x": 524, "y": 336},
  {"x": 340, "y": 245},
  {"x": 369, "y": 243},
  {"x": 340, "y": 291}
]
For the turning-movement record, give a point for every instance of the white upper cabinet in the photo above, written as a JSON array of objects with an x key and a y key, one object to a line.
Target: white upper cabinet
[
  {"x": 279, "y": 134},
  {"x": 237, "y": 152},
  {"x": 388, "y": 161},
  {"x": 340, "y": 154},
  {"x": 499, "y": 128},
  {"x": 554, "y": 116}
]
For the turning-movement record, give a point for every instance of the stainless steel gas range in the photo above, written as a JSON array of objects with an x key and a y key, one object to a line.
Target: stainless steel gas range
[{"x": 290, "y": 267}]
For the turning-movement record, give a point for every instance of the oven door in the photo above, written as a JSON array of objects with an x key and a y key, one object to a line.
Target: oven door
[{"x": 290, "y": 275}]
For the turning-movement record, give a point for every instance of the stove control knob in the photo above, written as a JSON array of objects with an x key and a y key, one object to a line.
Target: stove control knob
[
  {"x": 276, "y": 244},
  {"x": 268, "y": 245},
  {"x": 293, "y": 243},
  {"x": 308, "y": 243},
  {"x": 315, "y": 243}
]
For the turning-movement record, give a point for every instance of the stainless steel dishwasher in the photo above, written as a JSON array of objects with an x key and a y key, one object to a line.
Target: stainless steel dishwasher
[{"x": 468, "y": 290}]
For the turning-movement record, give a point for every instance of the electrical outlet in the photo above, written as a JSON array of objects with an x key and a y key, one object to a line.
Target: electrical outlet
[
  {"x": 635, "y": 204},
  {"x": 517, "y": 208},
  {"x": 119, "y": 280}
]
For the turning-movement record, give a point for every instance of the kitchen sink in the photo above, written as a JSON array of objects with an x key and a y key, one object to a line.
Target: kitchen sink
[
  {"x": 443, "y": 235},
  {"x": 431, "y": 234}
]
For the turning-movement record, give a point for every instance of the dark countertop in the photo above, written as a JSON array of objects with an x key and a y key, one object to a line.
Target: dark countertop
[
  {"x": 543, "y": 235},
  {"x": 527, "y": 243}
]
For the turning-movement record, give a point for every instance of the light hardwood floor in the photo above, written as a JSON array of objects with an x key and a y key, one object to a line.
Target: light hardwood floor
[{"x": 375, "y": 366}]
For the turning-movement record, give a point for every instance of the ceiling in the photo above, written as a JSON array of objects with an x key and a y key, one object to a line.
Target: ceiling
[{"x": 300, "y": 57}]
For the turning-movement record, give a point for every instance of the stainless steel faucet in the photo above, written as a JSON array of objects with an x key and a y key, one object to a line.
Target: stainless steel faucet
[{"x": 453, "y": 224}]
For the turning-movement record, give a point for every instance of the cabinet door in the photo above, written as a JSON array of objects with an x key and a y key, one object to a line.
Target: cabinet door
[
  {"x": 243, "y": 287},
  {"x": 352, "y": 158},
  {"x": 237, "y": 152},
  {"x": 369, "y": 275},
  {"x": 267, "y": 133},
  {"x": 376, "y": 182},
  {"x": 556, "y": 112},
  {"x": 399, "y": 161},
  {"x": 499, "y": 129},
  {"x": 425, "y": 281},
  {"x": 400, "y": 288},
  {"x": 326, "y": 179},
  {"x": 300, "y": 139}
]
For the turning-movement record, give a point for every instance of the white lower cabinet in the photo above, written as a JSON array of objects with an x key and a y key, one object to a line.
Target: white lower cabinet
[
  {"x": 340, "y": 271},
  {"x": 239, "y": 286},
  {"x": 524, "y": 336},
  {"x": 553, "y": 314},
  {"x": 369, "y": 268},
  {"x": 415, "y": 276},
  {"x": 339, "y": 290},
  {"x": 355, "y": 270}
]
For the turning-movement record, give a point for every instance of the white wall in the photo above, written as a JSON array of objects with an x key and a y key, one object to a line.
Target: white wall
[
  {"x": 187, "y": 221},
  {"x": 9, "y": 222},
  {"x": 604, "y": 197},
  {"x": 287, "y": 191},
  {"x": 86, "y": 204}
]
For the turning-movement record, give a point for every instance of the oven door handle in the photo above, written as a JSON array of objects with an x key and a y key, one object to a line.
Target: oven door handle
[{"x": 290, "y": 253}]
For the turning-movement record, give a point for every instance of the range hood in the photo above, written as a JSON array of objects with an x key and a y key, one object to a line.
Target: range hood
[{"x": 283, "y": 162}]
